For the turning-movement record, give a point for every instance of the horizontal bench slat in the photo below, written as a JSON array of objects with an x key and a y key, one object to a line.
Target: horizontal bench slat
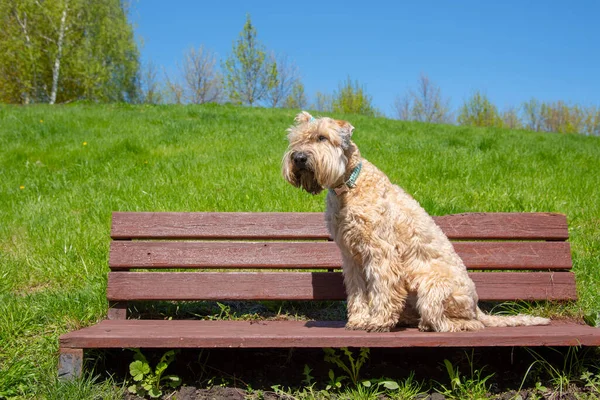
[
  {"x": 267, "y": 334},
  {"x": 470, "y": 226},
  {"x": 493, "y": 286},
  {"x": 315, "y": 255}
]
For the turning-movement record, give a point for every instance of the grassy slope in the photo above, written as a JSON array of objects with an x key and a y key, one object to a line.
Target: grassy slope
[{"x": 54, "y": 230}]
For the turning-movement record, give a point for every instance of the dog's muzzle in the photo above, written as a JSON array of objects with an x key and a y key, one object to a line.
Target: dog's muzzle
[{"x": 300, "y": 159}]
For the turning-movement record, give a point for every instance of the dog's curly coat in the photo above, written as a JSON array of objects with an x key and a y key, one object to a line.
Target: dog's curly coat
[{"x": 398, "y": 266}]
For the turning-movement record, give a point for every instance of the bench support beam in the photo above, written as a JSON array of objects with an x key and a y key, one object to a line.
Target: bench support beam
[
  {"x": 70, "y": 363},
  {"x": 117, "y": 310}
]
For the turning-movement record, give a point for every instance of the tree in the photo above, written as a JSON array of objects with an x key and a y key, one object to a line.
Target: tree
[
  {"x": 351, "y": 98},
  {"x": 150, "y": 91},
  {"x": 532, "y": 115},
  {"x": 202, "y": 81},
  {"x": 248, "y": 75},
  {"x": 296, "y": 99},
  {"x": 323, "y": 102},
  {"x": 510, "y": 119},
  {"x": 175, "y": 90},
  {"x": 283, "y": 78},
  {"x": 425, "y": 104},
  {"x": 592, "y": 121},
  {"x": 479, "y": 111},
  {"x": 64, "y": 50},
  {"x": 559, "y": 117}
]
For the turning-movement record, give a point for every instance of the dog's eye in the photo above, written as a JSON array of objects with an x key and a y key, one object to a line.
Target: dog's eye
[{"x": 321, "y": 138}]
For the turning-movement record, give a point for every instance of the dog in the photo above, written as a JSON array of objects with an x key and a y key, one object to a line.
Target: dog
[{"x": 398, "y": 266}]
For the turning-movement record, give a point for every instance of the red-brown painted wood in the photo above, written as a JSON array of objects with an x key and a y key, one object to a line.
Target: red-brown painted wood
[
  {"x": 325, "y": 255},
  {"x": 493, "y": 286},
  {"x": 117, "y": 310},
  {"x": 140, "y": 225},
  {"x": 260, "y": 334}
]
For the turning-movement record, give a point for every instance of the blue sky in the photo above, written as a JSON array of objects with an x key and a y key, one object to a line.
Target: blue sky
[{"x": 510, "y": 50}]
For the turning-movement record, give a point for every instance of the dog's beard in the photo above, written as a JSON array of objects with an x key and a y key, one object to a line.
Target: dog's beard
[{"x": 308, "y": 182}]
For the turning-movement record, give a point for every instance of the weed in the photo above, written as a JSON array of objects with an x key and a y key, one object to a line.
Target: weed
[
  {"x": 148, "y": 382},
  {"x": 334, "y": 382},
  {"x": 408, "y": 389},
  {"x": 591, "y": 381},
  {"x": 352, "y": 368},
  {"x": 474, "y": 387},
  {"x": 560, "y": 377}
]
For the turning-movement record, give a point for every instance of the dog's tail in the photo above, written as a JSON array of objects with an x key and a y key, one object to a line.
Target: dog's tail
[{"x": 510, "y": 320}]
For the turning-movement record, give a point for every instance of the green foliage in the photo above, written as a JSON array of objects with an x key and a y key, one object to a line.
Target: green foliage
[
  {"x": 409, "y": 389},
  {"x": 559, "y": 376},
  {"x": 592, "y": 381},
  {"x": 248, "y": 75},
  {"x": 478, "y": 110},
  {"x": 561, "y": 117},
  {"x": 351, "y": 98},
  {"x": 97, "y": 58},
  {"x": 474, "y": 387},
  {"x": 297, "y": 98},
  {"x": 352, "y": 366},
  {"x": 147, "y": 381}
]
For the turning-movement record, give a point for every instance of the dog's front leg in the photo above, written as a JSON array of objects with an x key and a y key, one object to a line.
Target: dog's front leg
[
  {"x": 357, "y": 298},
  {"x": 387, "y": 295}
]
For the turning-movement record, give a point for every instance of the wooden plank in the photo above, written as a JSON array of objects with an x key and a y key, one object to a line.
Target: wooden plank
[
  {"x": 470, "y": 226},
  {"x": 269, "y": 334},
  {"x": 218, "y": 225},
  {"x": 493, "y": 286},
  {"x": 505, "y": 226},
  {"x": 325, "y": 255}
]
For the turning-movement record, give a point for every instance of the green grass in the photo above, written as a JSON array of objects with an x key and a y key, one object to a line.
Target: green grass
[{"x": 63, "y": 170}]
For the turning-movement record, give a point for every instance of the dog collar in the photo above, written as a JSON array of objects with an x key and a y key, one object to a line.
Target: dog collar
[{"x": 350, "y": 183}]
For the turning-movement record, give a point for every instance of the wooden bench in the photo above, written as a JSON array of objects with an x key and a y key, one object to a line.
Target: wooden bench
[{"x": 513, "y": 256}]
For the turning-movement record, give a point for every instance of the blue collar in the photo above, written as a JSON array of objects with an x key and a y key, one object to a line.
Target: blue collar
[{"x": 350, "y": 183}]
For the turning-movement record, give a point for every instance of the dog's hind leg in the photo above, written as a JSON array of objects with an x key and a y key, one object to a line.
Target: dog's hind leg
[
  {"x": 441, "y": 311},
  {"x": 432, "y": 295}
]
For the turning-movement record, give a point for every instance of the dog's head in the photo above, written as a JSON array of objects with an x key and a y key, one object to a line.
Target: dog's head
[{"x": 318, "y": 152}]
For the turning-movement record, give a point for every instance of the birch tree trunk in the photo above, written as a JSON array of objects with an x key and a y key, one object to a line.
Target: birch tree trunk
[
  {"x": 23, "y": 24},
  {"x": 56, "y": 67}
]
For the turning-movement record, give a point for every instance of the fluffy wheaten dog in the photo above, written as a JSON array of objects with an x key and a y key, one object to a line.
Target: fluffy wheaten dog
[{"x": 398, "y": 266}]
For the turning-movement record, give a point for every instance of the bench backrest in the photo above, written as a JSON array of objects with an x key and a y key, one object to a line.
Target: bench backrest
[{"x": 513, "y": 256}]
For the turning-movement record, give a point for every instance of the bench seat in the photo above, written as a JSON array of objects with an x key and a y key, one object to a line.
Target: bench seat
[{"x": 272, "y": 334}]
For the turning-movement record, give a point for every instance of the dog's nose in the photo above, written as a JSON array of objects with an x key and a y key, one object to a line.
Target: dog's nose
[{"x": 300, "y": 159}]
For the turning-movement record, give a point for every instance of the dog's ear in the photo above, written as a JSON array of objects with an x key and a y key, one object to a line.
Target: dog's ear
[
  {"x": 302, "y": 118},
  {"x": 345, "y": 130}
]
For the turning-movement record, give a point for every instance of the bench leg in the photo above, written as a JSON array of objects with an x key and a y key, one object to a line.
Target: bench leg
[{"x": 70, "y": 363}]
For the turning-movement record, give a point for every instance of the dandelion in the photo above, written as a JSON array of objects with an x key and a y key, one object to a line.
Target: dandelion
[
  {"x": 41, "y": 121},
  {"x": 85, "y": 143},
  {"x": 21, "y": 187}
]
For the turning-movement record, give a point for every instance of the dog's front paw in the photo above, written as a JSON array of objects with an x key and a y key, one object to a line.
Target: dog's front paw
[
  {"x": 380, "y": 325},
  {"x": 355, "y": 326},
  {"x": 378, "y": 328},
  {"x": 423, "y": 327}
]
